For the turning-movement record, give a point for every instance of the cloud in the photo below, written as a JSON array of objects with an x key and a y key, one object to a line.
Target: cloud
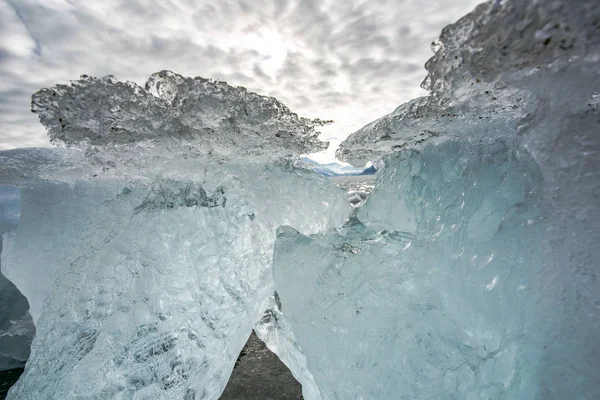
[{"x": 347, "y": 60}]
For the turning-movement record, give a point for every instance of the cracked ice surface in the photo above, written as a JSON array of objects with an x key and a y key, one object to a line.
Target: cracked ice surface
[
  {"x": 471, "y": 271},
  {"x": 209, "y": 116},
  {"x": 145, "y": 247}
]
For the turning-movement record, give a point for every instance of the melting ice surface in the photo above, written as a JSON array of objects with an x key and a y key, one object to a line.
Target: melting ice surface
[
  {"x": 431, "y": 282},
  {"x": 472, "y": 270},
  {"x": 146, "y": 258},
  {"x": 151, "y": 245}
]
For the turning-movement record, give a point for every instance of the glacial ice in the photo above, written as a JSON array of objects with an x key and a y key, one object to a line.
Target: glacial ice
[
  {"x": 471, "y": 272},
  {"x": 150, "y": 245},
  {"x": 209, "y": 117},
  {"x": 437, "y": 291},
  {"x": 145, "y": 256}
]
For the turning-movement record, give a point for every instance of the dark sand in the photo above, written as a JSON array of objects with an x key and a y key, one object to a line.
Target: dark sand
[
  {"x": 260, "y": 375},
  {"x": 7, "y": 379}
]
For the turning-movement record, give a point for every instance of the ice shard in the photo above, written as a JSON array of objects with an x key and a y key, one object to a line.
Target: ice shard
[
  {"x": 145, "y": 247},
  {"x": 472, "y": 270},
  {"x": 275, "y": 331}
]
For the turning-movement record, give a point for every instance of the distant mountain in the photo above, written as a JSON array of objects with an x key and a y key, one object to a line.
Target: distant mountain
[
  {"x": 335, "y": 169},
  {"x": 369, "y": 171}
]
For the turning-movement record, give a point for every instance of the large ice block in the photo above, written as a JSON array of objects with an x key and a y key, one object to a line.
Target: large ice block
[
  {"x": 442, "y": 283},
  {"x": 145, "y": 250},
  {"x": 471, "y": 271}
]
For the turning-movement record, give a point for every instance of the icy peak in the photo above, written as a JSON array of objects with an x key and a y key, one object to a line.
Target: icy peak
[
  {"x": 498, "y": 40},
  {"x": 210, "y": 116},
  {"x": 484, "y": 68}
]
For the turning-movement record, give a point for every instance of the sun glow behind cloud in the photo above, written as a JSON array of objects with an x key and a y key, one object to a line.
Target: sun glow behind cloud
[{"x": 270, "y": 45}]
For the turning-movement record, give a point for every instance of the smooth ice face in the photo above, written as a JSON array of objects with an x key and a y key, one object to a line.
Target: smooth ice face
[{"x": 441, "y": 284}]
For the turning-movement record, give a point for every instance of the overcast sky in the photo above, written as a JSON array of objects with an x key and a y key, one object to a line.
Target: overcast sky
[{"x": 346, "y": 60}]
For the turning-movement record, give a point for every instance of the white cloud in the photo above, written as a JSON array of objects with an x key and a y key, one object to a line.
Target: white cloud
[{"x": 350, "y": 61}]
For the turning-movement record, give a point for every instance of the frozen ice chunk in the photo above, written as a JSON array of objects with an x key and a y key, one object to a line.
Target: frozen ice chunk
[
  {"x": 471, "y": 270},
  {"x": 493, "y": 66},
  {"x": 209, "y": 116},
  {"x": 386, "y": 307},
  {"x": 145, "y": 247},
  {"x": 156, "y": 284}
]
